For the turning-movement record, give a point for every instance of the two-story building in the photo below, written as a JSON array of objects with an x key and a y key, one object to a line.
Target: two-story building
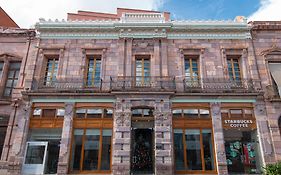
[{"x": 138, "y": 93}]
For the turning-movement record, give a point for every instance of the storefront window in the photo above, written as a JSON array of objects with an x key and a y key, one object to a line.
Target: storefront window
[
  {"x": 193, "y": 141},
  {"x": 179, "y": 149},
  {"x": 241, "y": 141},
  {"x": 91, "y": 149},
  {"x": 190, "y": 149},
  {"x": 193, "y": 149},
  {"x": 208, "y": 149}
]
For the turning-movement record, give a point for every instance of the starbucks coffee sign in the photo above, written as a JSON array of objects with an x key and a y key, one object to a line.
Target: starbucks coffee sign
[{"x": 239, "y": 123}]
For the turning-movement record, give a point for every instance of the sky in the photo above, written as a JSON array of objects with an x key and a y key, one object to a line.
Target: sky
[{"x": 27, "y": 12}]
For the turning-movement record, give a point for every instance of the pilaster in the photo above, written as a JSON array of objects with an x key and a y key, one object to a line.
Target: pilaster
[
  {"x": 16, "y": 155},
  {"x": 218, "y": 138},
  {"x": 121, "y": 138},
  {"x": 163, "y": 138},
  {"x": 64, "y": 153}
]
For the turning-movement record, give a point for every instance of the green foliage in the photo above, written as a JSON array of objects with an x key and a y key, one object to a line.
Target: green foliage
[{"x": 273, "y": 169}]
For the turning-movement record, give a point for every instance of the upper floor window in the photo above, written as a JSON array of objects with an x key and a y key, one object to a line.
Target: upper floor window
[
  {"x": 191, "y": 68},
  {"x": 142, "y": 70},
  {"x": 48, "y": 113},
  {"x": 94, "y": 113},
  {"x": 51, "y": 71},
  {"x": 275, "y": 70},
  {"x": 1, "y": 67},
  {"x": 233, "y": 66},
  {"x": 12, "y": 79},
  {"x": 93, "y": 71}
]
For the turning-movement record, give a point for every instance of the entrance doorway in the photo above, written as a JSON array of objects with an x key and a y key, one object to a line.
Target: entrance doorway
[{"x": 142, "y": 151}]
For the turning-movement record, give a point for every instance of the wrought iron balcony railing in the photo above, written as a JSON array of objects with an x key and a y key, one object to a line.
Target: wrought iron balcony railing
[
  {"x": 136, "y": 83},
  {"x": 68, "y": 84},
  {"x": 219, "y": 85}
]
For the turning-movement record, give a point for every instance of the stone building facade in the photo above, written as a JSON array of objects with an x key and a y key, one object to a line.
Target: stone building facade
[{"x": 138, "y": 93}]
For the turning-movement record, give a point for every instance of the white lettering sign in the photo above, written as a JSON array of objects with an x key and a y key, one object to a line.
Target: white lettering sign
[{"x": 238, "y": 123}]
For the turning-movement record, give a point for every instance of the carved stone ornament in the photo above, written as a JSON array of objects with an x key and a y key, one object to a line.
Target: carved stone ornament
[
  {"x": 260, "y": 108},
  {"x": 215, "y": 108}
]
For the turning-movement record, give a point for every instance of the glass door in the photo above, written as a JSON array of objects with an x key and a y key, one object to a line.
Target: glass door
[
  {"x": 35, "y": 158},
  {"x": 142, "y": 151}
]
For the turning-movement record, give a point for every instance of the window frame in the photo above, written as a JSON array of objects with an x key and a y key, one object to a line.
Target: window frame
[
  {"x": 200, "y": 123},
  {"x": 189, "y": 59},
  {"x": 55, "y": 60},
  {"x": 231, "y": 58},
  {"x": 85, "y": 123},
  {"x": 14, "y": 78},
  {"x": 143, "y": 77},
  {"x": 95, "y": 58}
]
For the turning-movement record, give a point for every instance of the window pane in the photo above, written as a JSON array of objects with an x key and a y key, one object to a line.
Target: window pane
[
  {"x": 35, "y": 154},
  {"x": 108, "y": 113},
  {"x": 49, "y": 113},
  {"x": 7, "y": 92},
  {"x": 177, "y": 113},
  {"x": 193, "y": 149},
  {"x": 76, "y": 149},
  {"x": 60, "y": 112},
  {"x": 15, "y": 65},
  {"x": 190, "y": 113},
  {"x": 94, "y": 113},
  {"x": 106, "y": 149},
  {"x": 91, "y": 149},
  {"x": 80, "y": 113},
  {"x": 208, "y": 149},
  {"x": 179, "y": 149},
  {"x": 204, "y": 113},
  {"x": 37, "y": 112}
]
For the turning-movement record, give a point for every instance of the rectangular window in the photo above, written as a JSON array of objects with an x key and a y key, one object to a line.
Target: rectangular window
[
  {"x": 93, "y": 78},
  {"x": 12, "y": 79},
  {"x": 193, "y": 149},
  {"x": 191, "y": 68},
  {"x": 1, "y": 67},
  {"x": 275, "y": 71},
  {"x": 142, "y": 72},
  {"x": 234, "y": 71},
  {"x": 94, "y": 113},
  {"x": 51, "y": 71},
  {"x": 91, "y": 149}
]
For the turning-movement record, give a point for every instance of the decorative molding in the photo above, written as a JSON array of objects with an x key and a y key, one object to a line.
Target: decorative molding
[
  {"x": 143, "y": 26},
  {"x": 274, "y": 48}
]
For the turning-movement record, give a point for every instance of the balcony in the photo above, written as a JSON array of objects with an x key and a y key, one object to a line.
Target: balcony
[
  {"x": 221, "y": 85},
  {"x": 124, "y": 84},
  {"x": 135, "y": 83},
  {"x": 69, "y": 84}
]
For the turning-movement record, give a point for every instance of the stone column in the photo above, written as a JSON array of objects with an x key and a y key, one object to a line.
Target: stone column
[
  {"x": 16, "y": 155},
  {"x": 218, "y": 138},
  {"x": 264, "y": 137},
  {"x": 64, "y": 154},
  {"x": 121, "y": 138},
  {"x": 163, "y": 138}
]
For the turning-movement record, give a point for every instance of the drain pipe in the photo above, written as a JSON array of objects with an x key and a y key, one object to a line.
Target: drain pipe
[{"x": 12, "y": 128}]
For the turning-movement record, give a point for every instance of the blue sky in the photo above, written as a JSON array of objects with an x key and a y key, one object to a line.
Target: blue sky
[
  {"x": 27, "y": 12},
  {"x": 210, "y": 9}
]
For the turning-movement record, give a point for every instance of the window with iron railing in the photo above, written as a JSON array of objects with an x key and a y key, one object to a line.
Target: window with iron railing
[
  {"x": 93, "y": 75},
  {"x": 142, "y": 72},
  {"x": 12, "y": 79},
  {"x": 51, "y": 71}
]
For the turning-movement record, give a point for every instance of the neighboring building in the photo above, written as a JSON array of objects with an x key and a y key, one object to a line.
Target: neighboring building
[
  {"x": 138, "y": 93},
  {"x": 15, "y": 47},
  {"x": 6, "y": 20}
]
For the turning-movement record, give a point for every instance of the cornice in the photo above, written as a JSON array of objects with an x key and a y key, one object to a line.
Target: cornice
[{"x": 118, "y": 29}]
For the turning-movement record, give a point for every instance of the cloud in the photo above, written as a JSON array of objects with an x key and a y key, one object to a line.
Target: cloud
[
  {"x": 268, "y": 11},
  {"x": 27, "y": 12}
]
